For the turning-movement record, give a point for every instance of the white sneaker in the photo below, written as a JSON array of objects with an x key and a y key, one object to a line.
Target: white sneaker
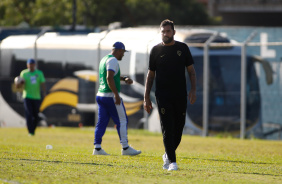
[
  {"x": 172, "y": 167},
  {"x": 130, "y": 151},
  {"x": 100, "y": 152},
  {"x": 166, "y": 162}
]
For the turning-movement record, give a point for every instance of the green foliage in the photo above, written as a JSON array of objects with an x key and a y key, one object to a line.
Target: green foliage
[
  {"x": 15, "y": 11},
  {"x": 97, "y": 12},
  {"x": 52, "y": 12},
  {"x": 188, "y": 12},
  {"x": 148, "y": 12},
  {"x": 36, "y": 12},
  {"x": 24, "y": 159}
]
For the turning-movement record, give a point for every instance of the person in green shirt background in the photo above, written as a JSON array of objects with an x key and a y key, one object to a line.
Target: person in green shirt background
[{"x": 32, "y": 83}]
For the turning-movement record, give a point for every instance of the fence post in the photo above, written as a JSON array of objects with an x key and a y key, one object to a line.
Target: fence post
[
  {"x": 243, "y": 85},
  {"x": 97, "y": 69},
  {"x": 42, "y": 32},
  {"x": 206, "y": 84}
]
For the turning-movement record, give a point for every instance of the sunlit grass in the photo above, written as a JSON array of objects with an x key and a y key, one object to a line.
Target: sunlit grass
[{"x": 25, "y": 159}]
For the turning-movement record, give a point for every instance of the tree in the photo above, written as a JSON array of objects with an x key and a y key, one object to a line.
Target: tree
[
  {"x": 100, "y": 12},
  {"x": 35, "y": 12},
  {"x": 187, "y": 12},
  {"x": 13, "y": 12},
  {"x": 147, "y": 12},
  {"x": 182, "y": 12},
  {"x": 94, "y": 13}
]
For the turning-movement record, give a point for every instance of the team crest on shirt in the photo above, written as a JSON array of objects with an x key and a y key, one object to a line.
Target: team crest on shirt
[
  {"x": 179, "y": 53},
  {"x": 163, "y": 110}
]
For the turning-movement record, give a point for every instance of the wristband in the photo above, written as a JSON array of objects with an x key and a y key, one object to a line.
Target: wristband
[{"x": 124, "y": 77}]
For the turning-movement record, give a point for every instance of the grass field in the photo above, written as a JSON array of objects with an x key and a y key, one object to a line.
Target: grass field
[{"x": 25, "y": 159}]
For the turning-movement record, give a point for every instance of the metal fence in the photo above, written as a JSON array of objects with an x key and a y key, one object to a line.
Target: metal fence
[{"x": 267, "y": 44}]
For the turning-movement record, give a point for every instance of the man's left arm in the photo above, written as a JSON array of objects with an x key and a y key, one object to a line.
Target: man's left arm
[
  {"x": 126, "y": 79},
  {"x": 43, "y": 84},
  {"x": 192, "y": 75},
  {"x": 43, "y": 87}
]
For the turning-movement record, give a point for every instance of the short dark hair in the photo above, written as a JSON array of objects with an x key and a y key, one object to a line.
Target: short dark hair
[{"x": 167, "y": 22}]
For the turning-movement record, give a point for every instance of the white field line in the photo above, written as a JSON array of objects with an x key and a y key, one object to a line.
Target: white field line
[{"x": 9, "y": 181}]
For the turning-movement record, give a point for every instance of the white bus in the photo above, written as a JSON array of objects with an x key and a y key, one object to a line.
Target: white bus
[{"x": 69, "y": 63}]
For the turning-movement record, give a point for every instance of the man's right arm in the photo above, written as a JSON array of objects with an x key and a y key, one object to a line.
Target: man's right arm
[
  {"x": 148, "y": 86},
  {"x": 20, "y": 85}
]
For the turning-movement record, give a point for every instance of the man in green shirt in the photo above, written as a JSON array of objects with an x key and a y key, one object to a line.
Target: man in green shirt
[
  {"x": 33, "y": 82},
  {"x": 110, "y": 105}
]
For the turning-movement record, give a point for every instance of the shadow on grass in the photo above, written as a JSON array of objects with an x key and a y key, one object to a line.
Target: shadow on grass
[
  {"x": 56, "y": 161},
  {"x": 235, "y": 161},
  {"x": 189, "y": 158},
  {"x": 223, "y": 160}
]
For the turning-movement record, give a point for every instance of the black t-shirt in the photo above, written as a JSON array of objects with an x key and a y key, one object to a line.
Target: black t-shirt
[{"x": 169, "y": 64}]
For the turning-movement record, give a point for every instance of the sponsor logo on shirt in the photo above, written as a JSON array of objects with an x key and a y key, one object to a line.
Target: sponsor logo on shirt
[
  {"x": 163, "y": 110},
  {"x": 33, "y": 79},
  {"x": 179, "y": 53}
]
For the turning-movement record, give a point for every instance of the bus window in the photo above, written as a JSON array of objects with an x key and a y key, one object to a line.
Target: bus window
[
  {"x": 17, "y": 66},
  {"x": 51, "y": 69},
  {"x": 71, "y": 68},
  {"x": 224, "y": 93}
]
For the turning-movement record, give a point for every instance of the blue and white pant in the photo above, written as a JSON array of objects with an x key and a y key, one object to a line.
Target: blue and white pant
[{"x": 108, "y": 109}]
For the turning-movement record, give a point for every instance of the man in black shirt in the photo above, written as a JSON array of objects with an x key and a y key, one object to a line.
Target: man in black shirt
[{"x": 168, "y": 62}]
